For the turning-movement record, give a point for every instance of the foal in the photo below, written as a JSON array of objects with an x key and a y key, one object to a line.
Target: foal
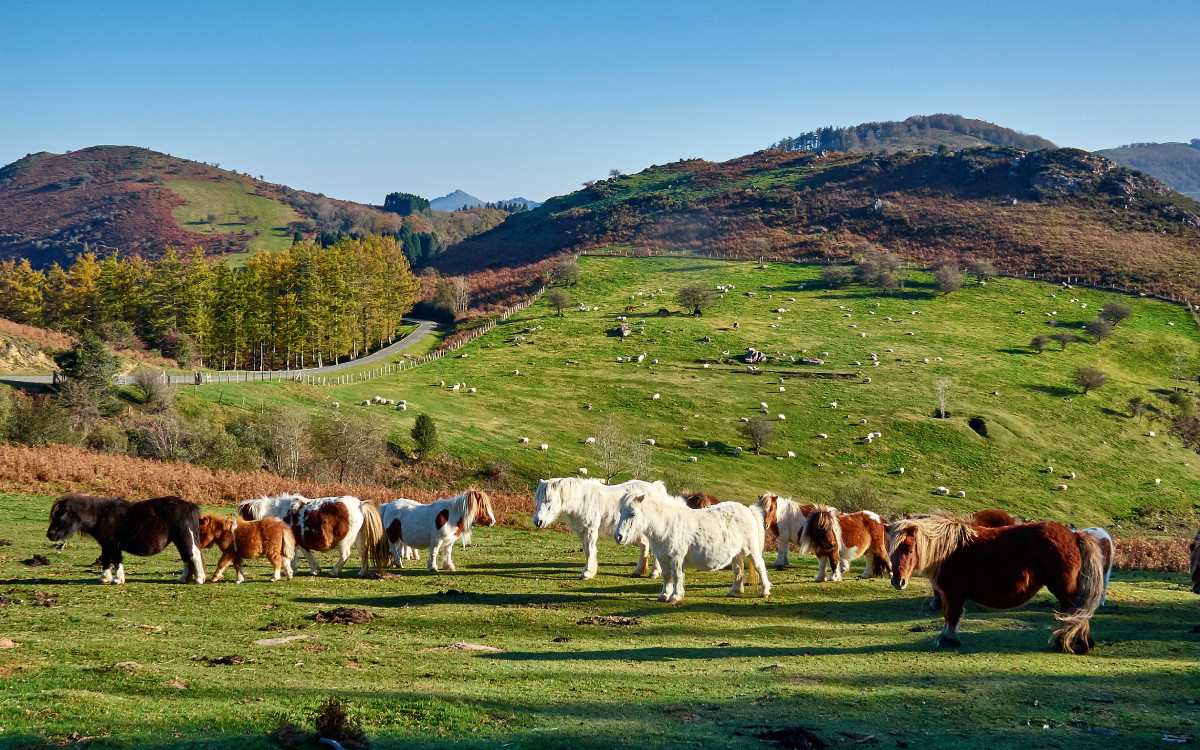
[{"x": 248, "y": 540}]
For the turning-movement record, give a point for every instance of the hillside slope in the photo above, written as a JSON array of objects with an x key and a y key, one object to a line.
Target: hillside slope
[
  {"x": 137, "y": 200},
  {"x": 1176, "y": 164},
  {"x": 1059, "y": 211}
]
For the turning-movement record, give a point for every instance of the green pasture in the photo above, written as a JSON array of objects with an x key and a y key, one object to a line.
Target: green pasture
[
  {"x": 1035, "y": 417},
  {"x": 228, "y": 201},
  {"x": 105, "y": 666}
]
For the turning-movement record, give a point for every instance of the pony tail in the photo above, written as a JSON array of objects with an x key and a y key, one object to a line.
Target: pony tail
[
  {"x": 378, "y": 551},
  {"x": 289, "y": 543},
  {"x": 1089, "y": 590}
]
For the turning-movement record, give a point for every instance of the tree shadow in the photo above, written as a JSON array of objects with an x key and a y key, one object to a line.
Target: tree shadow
[{"x": 1057, "y": 391}]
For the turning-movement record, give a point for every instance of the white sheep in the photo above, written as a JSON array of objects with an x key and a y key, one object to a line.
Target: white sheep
[
  {"x": 523, "y": 440},
  {"x": 867, "y": 380},
  {"x": 692, "y": 459},
  {"x": 582, "y": 472},
  {"x": 943, "y": 491},
  {"x": 737, "y": 450},
  {"x": 782, "y": 389},
  {"x": 365, "y": 403},
  {"x": 791, "y": 454},
  {"x": 516, "y": 372},
  {"x": 1062, "y": 487},
  {"x": 590, "y": 441},
  {"x": 456, "y": 387},
  {"x": 901, "y": 469},
  {"x": 782, "y": 417},
  {"x": 763, "y": 404},
  {"x": 657, "y": 396},
  {"x": 1157, "y": 481},
  {"x": 745, "y": 419},
  {"x": 868, "y": 439},
  {"x": 654, "y": 361},
  {"x": 1150, "y": 433},
  {"x": 822, "y": 435},
  {"x": 1072, "y": 475},
  {"x": 833, "y": 404},
  {"x": 442, "y": 383},
  {"x": 1049, "y": 469},
  {"x": 471, "y": 390},
  {"x": 401, "y": 407},
  {"x": 543, "y": 447},
  {"x": 649, "y": 441},
  {"x": 961, "y": 493}
]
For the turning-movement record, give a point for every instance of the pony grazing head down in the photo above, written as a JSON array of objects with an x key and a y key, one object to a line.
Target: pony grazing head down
[
  {"x": 65, "y": 518},
  {"x": 213, "y": 527},
  {"x": 922, "y": 544},
  {"x": 1196, "y": 564}
]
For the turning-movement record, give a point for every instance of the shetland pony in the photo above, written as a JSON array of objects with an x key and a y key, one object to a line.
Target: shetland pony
[
  {"x": 708, "y": 539},
  {"x": 1196, "y": 563},
  {"x": 590, "y": 507},
  {"x": 435, "y": 526},
  {"x": 323, "y": 523},
  {"x": 248, "y": 540},
  {"x": 784, "y": 518},
  {"x": 1003, "y": 568},
  {"x": 399, "y": 550},
  {"x": 837, "y": 539},
  {"x": 143, "y": 528},
  {"x": 698, "y": 500},
  {"x": 992, "y": 518}
]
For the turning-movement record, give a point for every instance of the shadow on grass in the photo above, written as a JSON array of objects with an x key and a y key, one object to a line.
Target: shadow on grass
[{"x": 1057, "y": 391}]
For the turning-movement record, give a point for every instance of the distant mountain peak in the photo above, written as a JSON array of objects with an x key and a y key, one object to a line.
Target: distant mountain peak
[{"x": 455, "y": 201}]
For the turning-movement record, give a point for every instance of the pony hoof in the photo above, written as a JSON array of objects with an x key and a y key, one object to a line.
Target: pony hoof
[{"x": 945, "y": 641}]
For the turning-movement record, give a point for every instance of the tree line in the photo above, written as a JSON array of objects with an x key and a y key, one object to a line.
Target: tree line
[{"x": 300, "y": 307}]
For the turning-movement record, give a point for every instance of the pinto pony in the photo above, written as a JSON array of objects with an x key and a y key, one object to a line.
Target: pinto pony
[
  {"x": 323, "y": 523},
  {"x": 837, "y": 539},
  {"x": 1002, "y": 568},
  {"x": 435, "y": 526},
  {"x": 248, "y": 540},
  {"x": 784, "y": 519},
  {"x": 590, "y": 508},
  {"x": 143, "y": 528},
  {"x": 708, "y": 539}
]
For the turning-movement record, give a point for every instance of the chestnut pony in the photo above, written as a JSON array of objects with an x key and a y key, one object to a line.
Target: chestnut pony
[
  {"x": 248, "y": 540},
  {"x": 1002, "y": 568},
  {"x": 837, "y": 539}
]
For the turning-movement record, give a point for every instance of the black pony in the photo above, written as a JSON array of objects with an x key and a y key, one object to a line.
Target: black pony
[{"x": 143, "y": 528}]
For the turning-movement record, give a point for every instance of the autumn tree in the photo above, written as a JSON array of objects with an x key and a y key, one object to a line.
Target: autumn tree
[
  {"x": 558, "y": 300},
  {"x": 949, "y": 278},
  {"x": 759, "y": 431}
]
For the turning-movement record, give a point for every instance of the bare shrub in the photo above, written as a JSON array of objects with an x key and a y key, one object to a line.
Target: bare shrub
[
  {"x": 1064, "y": 338},
  {"x": 1089, "y": 378},
  {"x": 949, "y": 278},
  {"x": 347, "y": 446},
  {"x": 331, "y": 722},
  {"x": 982, "y": 269},
  {"x": 1040, "y": 343},
  {"x": 1100, "y": 328},
  {"x": 40, "y": 420},
  {"x": 836, "y": 277},
  {"x": 163, "y": 435},
  {"x": 1137, "y": 407},
  {"x": 158, "y": 394},
  {"x": 941, "y": 389},
  {"x": 1116, "y": 311},
  {"x": 759, "y": 431},
  {"x": 284, "y": 438},
  {"x": 860, "y": 494},
  {"x": 612, "y": 449}
]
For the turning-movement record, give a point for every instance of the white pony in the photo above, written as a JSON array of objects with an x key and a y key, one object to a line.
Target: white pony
[
  {"x": 435, "y": 526},
  {"x": 591, "y": 510},
  {"x": 711, "y": 538},
  {"x": 323, "y": 523},
  {"x": 784, "y": 518},
  {"x": 399, "y": 550}
]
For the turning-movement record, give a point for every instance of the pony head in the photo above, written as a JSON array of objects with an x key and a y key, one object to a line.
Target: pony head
[
  {"x": 632, "y": 520},
  {"x": 1196, "y": 564},
  {"x": 480, "y": 508},
  {"x": 902, "y": 551},
  {"x": 65, "y": 518},
  {"x": 768, "y": 503},
  {"x": 547, "y": 501},
  {"x": 212, "y": 527}
]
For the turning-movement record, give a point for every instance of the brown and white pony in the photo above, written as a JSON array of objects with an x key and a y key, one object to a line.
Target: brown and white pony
[
  {"x": 143, "y": 528},
  {"x": 241, "y": 540},
  {"x": 837, "y": 539},
  {"x": 1002, "y": 568},
  {"x": 698, "y": 500},
  {"x": 324, "y": 523},
  {"x": 435, "y": 526},
  {"x": 1196, "y": 563},
  {"x": 784, "y": 520}
]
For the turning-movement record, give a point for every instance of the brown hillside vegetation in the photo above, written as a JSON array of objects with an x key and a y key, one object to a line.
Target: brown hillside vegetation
[
  {"x": 1057, "y": 212},
  {"x": 54, "y": 469},
  {"x": 115, "y": 198}
]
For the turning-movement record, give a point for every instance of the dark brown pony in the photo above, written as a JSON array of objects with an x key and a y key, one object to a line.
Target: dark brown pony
[
  {"x": 1196, "y": 563},
  {"x": 840, "y": 538},
  {"x": 143, "y": 528},
  {"x": 698, "y": 500},
  {"x": 1002, "y": 568},
  {"x": 248, "y": 540}
]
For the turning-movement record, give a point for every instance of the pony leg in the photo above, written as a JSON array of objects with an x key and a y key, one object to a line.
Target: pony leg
[
  {"x": 655, "y": 567},
  {"x": 288, "y": 569},
  {"x": 343, "y": 556},
  {"x": 397, "y": 557},
  {"x": 869, "y": 571},
  {"x": 313, "y": 568},
  {"x": 835, "y": 565},
  {"x": 781, "y": 557},
  {"x": 446, "y": 556},
  {"x": 760, "y": 567},
  {"x": 739, "y": 577},
  {"x": 222, "y": 564},
  {"x": 589, "y": 549},
  {"x": 361, "y": 544},
  {"x": 952, "y": 611},
  {"x": 276, "y": 563},
  {"x": 668, "y": 583},
  {"x": 435, "y": 549},
  {"x": 119, "y": 576},
  {"x": 643, "y": 553},
  {"x": 821, "y": 570},
  {"x": 237, "y": 567},
  {"x": 677, "y": 592}
]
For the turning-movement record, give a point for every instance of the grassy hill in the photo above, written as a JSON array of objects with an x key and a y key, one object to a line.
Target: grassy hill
[
  {"x": 1176, "y": 164},
  {"x": 919, "y": 133},
  {"x": 1060, "y": 212},
  {"x": 140, "y": 201},
  {"x": 570, "y": 384}
]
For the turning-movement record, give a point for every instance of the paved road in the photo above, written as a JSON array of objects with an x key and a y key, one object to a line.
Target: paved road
[{"x": 424, "y": 328}]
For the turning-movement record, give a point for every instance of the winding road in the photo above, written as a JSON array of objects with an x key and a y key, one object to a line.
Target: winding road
[{"x": 424, "y": 328}]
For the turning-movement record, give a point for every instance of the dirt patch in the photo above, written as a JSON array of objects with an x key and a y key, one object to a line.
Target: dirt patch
[
  {"x": 795, "y": 738},
  {"x": 562, "y": 639},
  {"x": 536, "y": 605},
  {"x": 612, "y": 622},
  {"x": 462, "y": 647},
  {"x": 344, "y": 616},
  {"x": 8, "y": 643},
  {"x": 37, "y": 561},
  {"x": 279, "y": 641},
  {"x": 5, "y": 543}
]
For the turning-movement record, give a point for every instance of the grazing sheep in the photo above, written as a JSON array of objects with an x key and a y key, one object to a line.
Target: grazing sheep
[
  {"x": 1062, "y": 487},
  {"x": 1049, "y": 469},
  {"x": 649, "y": 441},
  {"x": 582, "y": 471},
  {"x": 456, "y": 387},
  {"x": 866, "y": 380},
  {"x": 543, "y": 447},
  {"x": 737, "y": 450},
  {"x": 401, "y": 406},
  {"x": 782, "y": 389},
  {"x": 470, "y": 390},
  {"x": 335, "y": 404},
  {"x": 1157, "y": 481},
  {"x": 745, "y": 419},
  {"x": 763, "y": 404},
  {"x": 833, "y": 404},
  {"x": 822, "y": 435},
  {"x": 943, "y": 491},
  {"x": 692, "y": 459},
  {"x": 365, "y": 403},
  {"x": 781, "y": 417},
  {"x": 901, "y": 469},
  {"x": 590, "y": 441},
  {"x": 657, "y": 396},
  {"x": 523, "y": 440},
  {"x": 516, "y": 372},
  {"x": 1150, "y": 433},
  {"x": 961, "y": 493}
]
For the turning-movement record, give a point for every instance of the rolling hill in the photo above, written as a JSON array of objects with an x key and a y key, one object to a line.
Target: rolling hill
[
  {"x": 137, "y": 200},
  {"x": 1055, "y": 211},
  {"x": 1176, "y": 164},
  {"x": 921, "y": 132}
]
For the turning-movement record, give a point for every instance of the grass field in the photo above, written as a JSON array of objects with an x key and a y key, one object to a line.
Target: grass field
[
  {"x": 105, "y": 666},
  {"x": 228, "y": 201},
  {"x": 1036, "y": 418}
]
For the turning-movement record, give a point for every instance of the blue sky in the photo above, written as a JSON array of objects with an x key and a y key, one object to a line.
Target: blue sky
[{"x": 532, "y": 98}]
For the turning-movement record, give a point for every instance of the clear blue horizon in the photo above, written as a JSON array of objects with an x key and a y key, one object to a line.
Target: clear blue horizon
[{"x": 532, "y": 98}]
